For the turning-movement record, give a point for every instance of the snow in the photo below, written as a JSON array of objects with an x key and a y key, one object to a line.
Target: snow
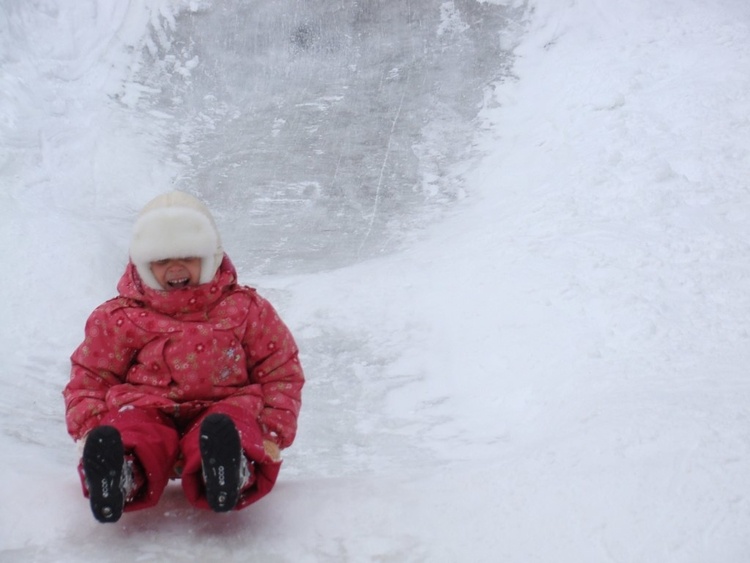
[{"x": 550, "y": 367}]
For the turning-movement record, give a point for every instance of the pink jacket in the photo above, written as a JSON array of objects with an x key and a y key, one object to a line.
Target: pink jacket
[{"x": 181, "y": 351}]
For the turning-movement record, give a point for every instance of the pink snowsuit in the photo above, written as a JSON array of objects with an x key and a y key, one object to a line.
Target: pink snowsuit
[{"x": 154, "y": 364}]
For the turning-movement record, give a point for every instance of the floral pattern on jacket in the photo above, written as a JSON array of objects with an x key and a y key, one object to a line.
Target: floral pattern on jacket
[{"x": 179, "y": 351}]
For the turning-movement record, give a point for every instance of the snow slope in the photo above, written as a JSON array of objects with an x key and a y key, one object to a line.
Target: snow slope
[{"x": 554, "y": 371}]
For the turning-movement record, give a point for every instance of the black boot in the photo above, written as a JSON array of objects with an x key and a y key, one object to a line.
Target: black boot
[
  {"x": 222, "y": 457},
  {"x": 104, "y": 466}
]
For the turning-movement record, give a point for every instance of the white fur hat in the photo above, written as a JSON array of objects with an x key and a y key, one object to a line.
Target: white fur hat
[{"x": 175, "y": 225}]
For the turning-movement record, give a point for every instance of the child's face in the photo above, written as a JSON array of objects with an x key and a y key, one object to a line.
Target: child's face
[{"x": 176, "y": 273}]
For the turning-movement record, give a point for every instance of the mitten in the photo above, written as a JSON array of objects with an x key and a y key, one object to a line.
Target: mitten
[{"x": 272, "y": 450}]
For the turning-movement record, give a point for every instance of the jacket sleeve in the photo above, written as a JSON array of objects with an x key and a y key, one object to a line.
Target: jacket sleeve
[
  {"x": 100, "y": 362},
  {"x": 273, "y": 362}
]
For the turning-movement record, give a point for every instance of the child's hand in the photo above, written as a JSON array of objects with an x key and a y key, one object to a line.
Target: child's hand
[{"x": 272, "y": 450}]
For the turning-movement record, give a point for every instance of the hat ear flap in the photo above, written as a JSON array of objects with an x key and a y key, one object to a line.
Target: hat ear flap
[
  {"x": 210, "y": 265},
  {"x": 147, "y": 277}
]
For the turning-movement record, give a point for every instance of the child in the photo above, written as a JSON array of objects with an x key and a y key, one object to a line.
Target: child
[{"x": 184, "y": 374}]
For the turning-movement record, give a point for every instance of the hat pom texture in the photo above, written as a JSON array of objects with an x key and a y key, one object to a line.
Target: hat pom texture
[{"x": 175, "y": 225}]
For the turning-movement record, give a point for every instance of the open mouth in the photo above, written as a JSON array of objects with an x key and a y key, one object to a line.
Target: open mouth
[{"x": 178, "y": 283}]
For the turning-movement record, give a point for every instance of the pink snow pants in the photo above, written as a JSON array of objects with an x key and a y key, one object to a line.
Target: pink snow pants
[{"x": 157, "y": 444}]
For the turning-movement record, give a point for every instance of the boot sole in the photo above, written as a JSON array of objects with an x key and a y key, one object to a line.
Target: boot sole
[
  {"x": 103, "y": 457},
  {"x": 221, "y": 453}
]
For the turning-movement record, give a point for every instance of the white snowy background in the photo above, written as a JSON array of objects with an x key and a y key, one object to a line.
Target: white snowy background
[{"x": 544, "y": 360}]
